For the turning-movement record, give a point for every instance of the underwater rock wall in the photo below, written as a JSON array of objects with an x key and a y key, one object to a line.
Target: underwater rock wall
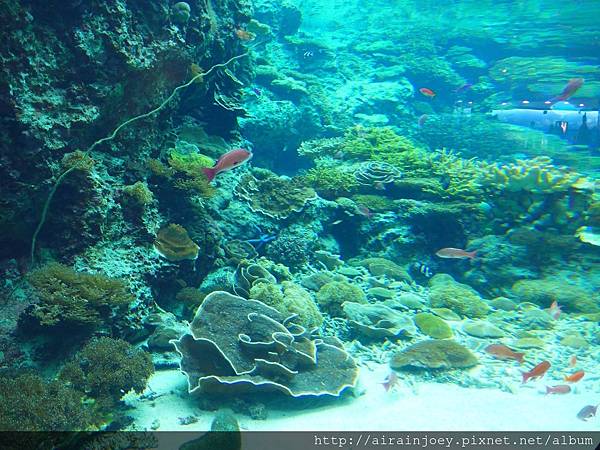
[{"x": 73, "y": 71}]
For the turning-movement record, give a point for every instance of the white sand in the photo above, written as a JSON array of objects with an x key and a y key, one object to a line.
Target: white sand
[{"x": 428, "y": 407}]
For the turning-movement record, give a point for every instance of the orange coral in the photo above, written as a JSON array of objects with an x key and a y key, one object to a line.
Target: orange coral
[{"x": 174, "y": 243}]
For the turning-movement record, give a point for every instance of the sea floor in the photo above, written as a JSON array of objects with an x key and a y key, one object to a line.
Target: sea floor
[{"x": 426, "y": 406}]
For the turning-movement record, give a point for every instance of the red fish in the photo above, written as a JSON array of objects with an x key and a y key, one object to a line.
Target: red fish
[
  {"x": 427, "y": 92},
  {"x": 500, "y": 351},
  {"x": 455, "y": 253},
  {"x": 575, "y": 377},
  {"x": 228, "y": 161},
  {"x": 537, "y": 372},
  {"x": 559, "y": 389},
  {"x": 390, "y": 381},
  {"x": 572, "y": 86}
]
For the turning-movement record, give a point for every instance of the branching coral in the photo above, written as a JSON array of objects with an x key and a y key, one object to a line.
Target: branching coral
[
  {"x": 29, "y": 403},
  {"x": 106, "y": 368},
  {"x": 536, "y": 175},
  {"x": 69, "y": 298}
]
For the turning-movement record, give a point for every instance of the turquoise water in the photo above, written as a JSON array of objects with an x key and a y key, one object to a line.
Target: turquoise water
[{"x": 261, "y": 214}]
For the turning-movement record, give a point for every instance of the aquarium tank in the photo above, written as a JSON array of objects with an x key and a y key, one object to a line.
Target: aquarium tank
[{"x": 281, "y": 224}]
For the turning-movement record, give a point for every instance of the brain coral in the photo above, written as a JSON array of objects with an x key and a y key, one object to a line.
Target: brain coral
[{"x": 239, "y": 345}]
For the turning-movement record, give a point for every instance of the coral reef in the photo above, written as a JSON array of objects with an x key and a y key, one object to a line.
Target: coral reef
[
  {"x": 544, "y": 291},
  {"x": 433, "y": 326},
  {"x": 238, "y": 345}
]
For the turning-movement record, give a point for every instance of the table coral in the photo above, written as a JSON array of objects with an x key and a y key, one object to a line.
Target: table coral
[{"x": 239, "y": 345}]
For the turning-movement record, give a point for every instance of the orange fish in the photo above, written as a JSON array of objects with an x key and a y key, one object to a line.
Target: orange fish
[
  {"x": 559, "y": 389},
  {"x": 455, "y": 253},
  {"x": 573, "y": 361},
  {"x": 228, "y": 161},
  {"x": 537, "y": 372},
  {"x": 244, "y": 35},
  {"x": 575, "y": 377},
  {"x": 500, "y": 351},
  {"x": 427, "y": 92}
]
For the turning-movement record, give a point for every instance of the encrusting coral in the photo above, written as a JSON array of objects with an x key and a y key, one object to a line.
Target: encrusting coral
[
  {"x": 174, "y": 243},
  {"x": 239, "y": 345}
]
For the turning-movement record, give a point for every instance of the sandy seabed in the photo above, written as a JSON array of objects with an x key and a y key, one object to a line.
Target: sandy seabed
[{"x": 428, "y": 406}]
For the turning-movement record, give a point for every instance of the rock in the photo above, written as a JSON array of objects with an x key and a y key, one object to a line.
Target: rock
[
  {"x": 380, "y": 293},
  {"x": 460, "y": 298},
  {"x": 446, "y": 314},
  {"x": 574, "y": 341},
  {"x": 536, "y": 319},
  {"x": 482, "y": 329},
  {"x": 433, "y": 326},
  {"x": 503, "y": 304},
  {"x": 410, "y": 301},
  {"x": 377, "y": 321},
  {"x": 159, "y": 341},
  {"x": 434, "y": 354},
  {"x": 528, "y": 342}
]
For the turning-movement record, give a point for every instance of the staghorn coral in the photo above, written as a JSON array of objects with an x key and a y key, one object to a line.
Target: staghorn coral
[
  {"x": 238, "y": 345},
  {"x": 536, "y": 175},
  {"x": 174, "y": 243},
  {"x": 68, "y": 298},
  {"x": 107, "y": 368},
  {"x": 274, "y": 196}
]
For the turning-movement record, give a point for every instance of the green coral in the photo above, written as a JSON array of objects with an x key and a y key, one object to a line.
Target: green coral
[
  {"x": 73, "y": 299},
  {"x": 433, "y": 326},
  {"x": 29, "y": 403},
  {"x": 371, "y": 143},
  {"x": 138, "y": 195},
  {"x": 460, "y": 298},
  {"x": 298, "y": 301},
  {"x": 331, "y": 180},
  {"x": 331, "y": 296},
  {"x": 268, "y": 293},
  {"x": 107, "y": 368}
]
